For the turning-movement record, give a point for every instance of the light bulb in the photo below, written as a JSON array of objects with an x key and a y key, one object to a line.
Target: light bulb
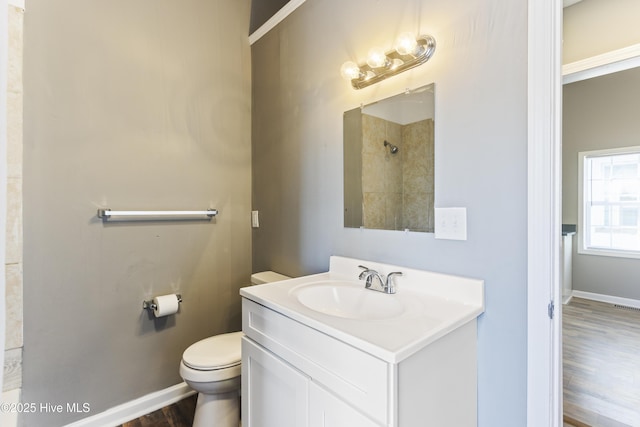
[
  {"x": 377, "y": 58},
  {"x": 406, "y": 44},
  {"x": 350, "y": 71},
  {"x": 396, "y": 63}
]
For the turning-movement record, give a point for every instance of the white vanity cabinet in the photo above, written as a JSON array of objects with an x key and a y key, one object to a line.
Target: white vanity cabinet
[
  {"x": 328, "y": 410},
  {"x": 295, "y": 376},
  {"x": 323, "y": 351},
  {"x": 283, "y": 391},
  {"x": 278, "y": 395}
]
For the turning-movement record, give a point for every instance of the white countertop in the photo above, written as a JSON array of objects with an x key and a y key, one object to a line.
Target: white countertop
[{"x": 435, "y": 304}]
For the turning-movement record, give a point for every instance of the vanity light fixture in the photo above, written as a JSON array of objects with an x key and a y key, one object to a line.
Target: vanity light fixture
[{"x": 409, "y": 52}]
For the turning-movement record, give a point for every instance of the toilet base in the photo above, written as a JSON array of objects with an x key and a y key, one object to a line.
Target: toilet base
[{"x": 219, "y": 410}]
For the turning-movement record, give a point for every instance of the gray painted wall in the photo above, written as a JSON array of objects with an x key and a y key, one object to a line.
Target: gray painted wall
[
  {"x": 599, "y": 113},
  {"x": 480, "y": 69},
  {"x": 130, "y": 105}
]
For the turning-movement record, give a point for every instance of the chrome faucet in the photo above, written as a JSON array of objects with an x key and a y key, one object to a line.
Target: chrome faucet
[{"x": 372, "y": 277}]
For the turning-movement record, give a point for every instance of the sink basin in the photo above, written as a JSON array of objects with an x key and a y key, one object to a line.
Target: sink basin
[
  {"x": 348, "y": 300},
  {"x": 426, "y": 307}
]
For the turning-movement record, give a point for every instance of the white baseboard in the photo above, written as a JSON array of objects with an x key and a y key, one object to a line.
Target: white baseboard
[
  {"x": 8, "y": 418},
  {"x": 607, "y": 298},
  {"x": 136, "y": 408}
]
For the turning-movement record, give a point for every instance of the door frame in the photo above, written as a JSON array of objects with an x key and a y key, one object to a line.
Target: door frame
[
  {"x": 544, "y": 343},
  {"x": 545, "y": 80}
]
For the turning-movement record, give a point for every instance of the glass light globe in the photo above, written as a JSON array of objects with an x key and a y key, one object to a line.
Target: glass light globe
[
  {"x": 377, "y": 58},
  {"x": 406, "y": 44},
  {"x": 396, "y": 63},
  {"x": 350, "y": 70}
]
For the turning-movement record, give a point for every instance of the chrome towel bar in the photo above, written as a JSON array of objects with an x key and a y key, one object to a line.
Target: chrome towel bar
[{"x": 108, "y": 213}]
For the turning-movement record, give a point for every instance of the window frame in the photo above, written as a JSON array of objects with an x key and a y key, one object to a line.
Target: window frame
[{"x": 583, "y": 224}]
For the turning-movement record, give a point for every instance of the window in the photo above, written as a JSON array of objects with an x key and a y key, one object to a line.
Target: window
[{"x": 610, "y": 202}]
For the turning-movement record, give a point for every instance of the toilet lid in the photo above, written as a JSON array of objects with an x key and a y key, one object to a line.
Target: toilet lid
[{"x": 217, "y": 352}]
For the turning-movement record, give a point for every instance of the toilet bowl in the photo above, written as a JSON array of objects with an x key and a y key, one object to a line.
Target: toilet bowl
[{"x": 212, "y": 368}]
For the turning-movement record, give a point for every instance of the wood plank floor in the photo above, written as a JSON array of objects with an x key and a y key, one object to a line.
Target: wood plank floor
[
  {"x": 601, "y": 362},
  {"x": 180, "y": 414}
]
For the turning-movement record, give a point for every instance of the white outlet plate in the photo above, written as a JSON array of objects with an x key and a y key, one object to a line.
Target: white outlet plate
[
  {"x": 451, "y": 223},
  {"x": 255, "y": 220}
]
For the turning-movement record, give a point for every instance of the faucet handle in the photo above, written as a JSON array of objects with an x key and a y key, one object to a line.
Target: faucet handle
[
  {"x": 389, "y": 287},
  {"x": 364, "y": 273},
  {"x": 367, "y": 275}
]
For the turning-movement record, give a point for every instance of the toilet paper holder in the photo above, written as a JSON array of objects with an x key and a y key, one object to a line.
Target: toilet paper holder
[{"x": 150, "y": 305}]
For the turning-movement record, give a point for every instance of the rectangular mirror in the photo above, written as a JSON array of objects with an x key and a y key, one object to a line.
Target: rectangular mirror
[{"x": 389, "y": 163}]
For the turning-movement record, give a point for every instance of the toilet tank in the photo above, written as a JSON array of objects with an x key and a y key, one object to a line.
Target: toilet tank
[{"x": 267, "y": 277}]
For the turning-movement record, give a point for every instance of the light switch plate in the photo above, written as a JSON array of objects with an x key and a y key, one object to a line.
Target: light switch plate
[
  {"x": 255, "y": 221},
  {"x": 451, "y": 223}
]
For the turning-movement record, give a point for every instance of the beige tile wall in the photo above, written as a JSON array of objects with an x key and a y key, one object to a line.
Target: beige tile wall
[
  {"x": 418, "y": 167},
  {"x": 14, "y": 341},
  {"x": 397, "y": 188},
  {"x": 381, "y": 174}
]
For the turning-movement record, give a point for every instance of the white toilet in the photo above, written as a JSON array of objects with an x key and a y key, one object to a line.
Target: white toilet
[{"x": 212, "y": 368}]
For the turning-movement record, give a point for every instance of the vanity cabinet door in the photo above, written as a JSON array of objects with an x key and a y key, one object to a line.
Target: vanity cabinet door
[
  {"x": 327, "y": 410},
  {"x": 274, "y": 394},
  {"x": 351, "y": 373}
]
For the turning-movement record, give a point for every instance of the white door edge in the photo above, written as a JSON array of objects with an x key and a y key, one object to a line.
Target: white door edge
[{"x": 544, "y": 351}]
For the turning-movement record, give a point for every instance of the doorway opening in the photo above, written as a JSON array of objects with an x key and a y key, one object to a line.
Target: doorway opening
[{"x": 600, "y": 335}]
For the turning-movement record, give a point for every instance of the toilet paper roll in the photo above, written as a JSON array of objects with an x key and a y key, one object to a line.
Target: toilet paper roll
[{"x": 165, "y": 305}]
